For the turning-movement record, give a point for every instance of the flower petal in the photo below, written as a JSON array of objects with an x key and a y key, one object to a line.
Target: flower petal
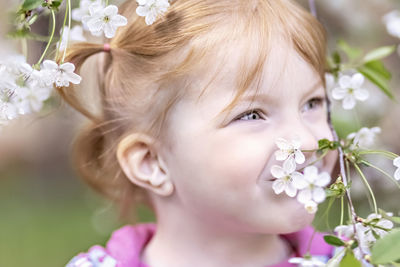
[
  {"x": 281, "y": 155},
  {"x": 397, "y": 174},
  {"x": 311, "y": 173},
  {"x": 396, "y": 162},
  {"x": 278, "y": 186},
  {"x": 349, "y": 102},
  {"x": 357, "y": 80},
  {"x": 339, "y": 93},
  {"x": 361, "y": 94},
  {"x": 318, "y": 194},
  {"x": 323, "y": 179},
  {"x": 50, "y": 65},
  {"x": 283, "y": 144},
  {"x": 277, "y": 171},
  {"x": 289, "y": 165},
  {"x": 290, "y": 190},
  {"x": 119, "y": 20},
  {"x": 345, "y": 81},
  {"x": 298, "y": 181},
  {"x": 110, "y": 10},
  {"x": 304, "y": 196},
  {"x": 74, "y": 78},
  {"x": 299, "y": 156}
]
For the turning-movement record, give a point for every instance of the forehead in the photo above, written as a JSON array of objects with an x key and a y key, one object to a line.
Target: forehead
[{"x": 249, "y": 66}]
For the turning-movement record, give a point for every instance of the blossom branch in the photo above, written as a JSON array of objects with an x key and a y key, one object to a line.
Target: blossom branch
[{"x": 53, "y": 17}]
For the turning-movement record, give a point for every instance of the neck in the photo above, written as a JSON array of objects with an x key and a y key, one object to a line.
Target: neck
[{"x": 183, "y": 242}]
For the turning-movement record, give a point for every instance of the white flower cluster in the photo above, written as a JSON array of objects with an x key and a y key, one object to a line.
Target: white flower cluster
[
  {"x": 151, "y": 9},
  {"x": 367, "y": 232},
  {"x": 23, "y": 89},
  {"x": 348, "y": 89},
  {"x": 309, "y": 186},
  {"x": 364, "y": 138},
  {"x": 99, "y": 19}
]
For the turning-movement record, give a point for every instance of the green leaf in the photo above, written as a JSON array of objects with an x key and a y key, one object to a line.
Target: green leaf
[
  {"x": 387, "y": 249},
  {"x": 323, "y": 143},
  {"x": 349, "y": 260},
  {"x": 351, "y": 52},
  {"x": 333, "y": 240},
  {"x": 379, "y": 53},
  {"x": 378, "y": 67},
  {"x": 31, "y": 4},
  {"x": 377, "y": 78}
]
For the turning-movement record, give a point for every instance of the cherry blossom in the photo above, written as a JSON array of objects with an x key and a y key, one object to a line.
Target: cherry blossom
[
  {"x": 311, "y": 185},
  {"x": 285, "y": 176},
  {"x": 307, "y": 261},
  {"x": 61, "y": 75},
  {"x": 311, "y": 206},
  {"x": 289, "y": 150},
  {"x": 83, "y": 10},
  {"x": 392, "y": 22},
  {"x": 350, "y": 90},
  {"x": 367, "y": 232},
  {"x": 151, "y": 9},
  {"x": 396, "y": 163},
  {"x": 103, "y": 19},
  {"x": 364, "y": 138}
]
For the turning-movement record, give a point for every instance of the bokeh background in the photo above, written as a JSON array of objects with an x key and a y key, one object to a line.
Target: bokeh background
[{"x": 47, "y": 215}]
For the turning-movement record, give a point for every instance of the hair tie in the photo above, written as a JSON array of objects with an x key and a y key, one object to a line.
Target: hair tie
[{"x": 106, "y": 48}]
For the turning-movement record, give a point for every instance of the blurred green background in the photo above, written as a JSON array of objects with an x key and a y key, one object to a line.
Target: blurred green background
[{"x": 47, "y": 215}]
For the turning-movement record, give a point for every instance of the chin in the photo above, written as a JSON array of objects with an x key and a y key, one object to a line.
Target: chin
[{"x": 295, "y": 217}]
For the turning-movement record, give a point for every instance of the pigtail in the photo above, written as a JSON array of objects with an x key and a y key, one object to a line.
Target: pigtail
[{"x": 77, "y": 54}]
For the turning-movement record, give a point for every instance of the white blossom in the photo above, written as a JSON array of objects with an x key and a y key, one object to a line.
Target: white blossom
[
  {"x": 103, "y": 19},
  {"x": 61, "y": 75},
  {"x": 350, "y": 90},
  {"x": 83, "y": 10},
  {"x": 367, "y": 231},
  {"x": 307, "y": 262},
  {"x": 377, "y": 224},
  {"x": 73, "y": 35},
  {"x": 396, "y": 163},
  {"x": 151, "y": 9},
  {"x": 21, "y": 90},
  {"x": 311, "y": 185},
  {"x": 311, "y": 206},
  {"x": 364, "y": 138},
  {"x": 392, "y": 22},
  {"x": 284, "y": 178},
  {"x": 347, "y": 231},
  {"x": 289, "y": 150}
]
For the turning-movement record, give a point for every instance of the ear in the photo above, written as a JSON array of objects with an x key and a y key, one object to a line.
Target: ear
[{"x": 139, "y": 161}]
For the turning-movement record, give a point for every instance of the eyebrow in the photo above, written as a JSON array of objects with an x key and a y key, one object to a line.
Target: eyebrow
[{"x": 266, "y": 97}]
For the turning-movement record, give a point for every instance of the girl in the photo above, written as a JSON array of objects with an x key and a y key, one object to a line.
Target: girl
[{"x": 190, "y": 110}]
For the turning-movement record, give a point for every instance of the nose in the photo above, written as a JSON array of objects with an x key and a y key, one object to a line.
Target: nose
[{"x": 301, "y": 134}]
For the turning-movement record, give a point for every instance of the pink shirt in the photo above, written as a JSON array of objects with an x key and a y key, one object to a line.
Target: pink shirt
[{"x": 126, "y": 244}]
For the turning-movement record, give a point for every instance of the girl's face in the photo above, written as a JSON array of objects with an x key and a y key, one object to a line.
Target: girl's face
[{"x": 220, "y": 165}]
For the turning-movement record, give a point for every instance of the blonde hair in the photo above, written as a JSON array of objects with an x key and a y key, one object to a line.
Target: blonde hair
[{"x": 147, "y": 71}]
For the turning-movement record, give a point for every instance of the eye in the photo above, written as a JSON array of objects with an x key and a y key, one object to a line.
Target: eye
[
  {"x": 250, "y": 115},
  {"x": 314, "y": 103}
]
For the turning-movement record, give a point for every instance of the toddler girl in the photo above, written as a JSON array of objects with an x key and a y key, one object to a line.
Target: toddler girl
[{"x": 191, "y": 107}]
